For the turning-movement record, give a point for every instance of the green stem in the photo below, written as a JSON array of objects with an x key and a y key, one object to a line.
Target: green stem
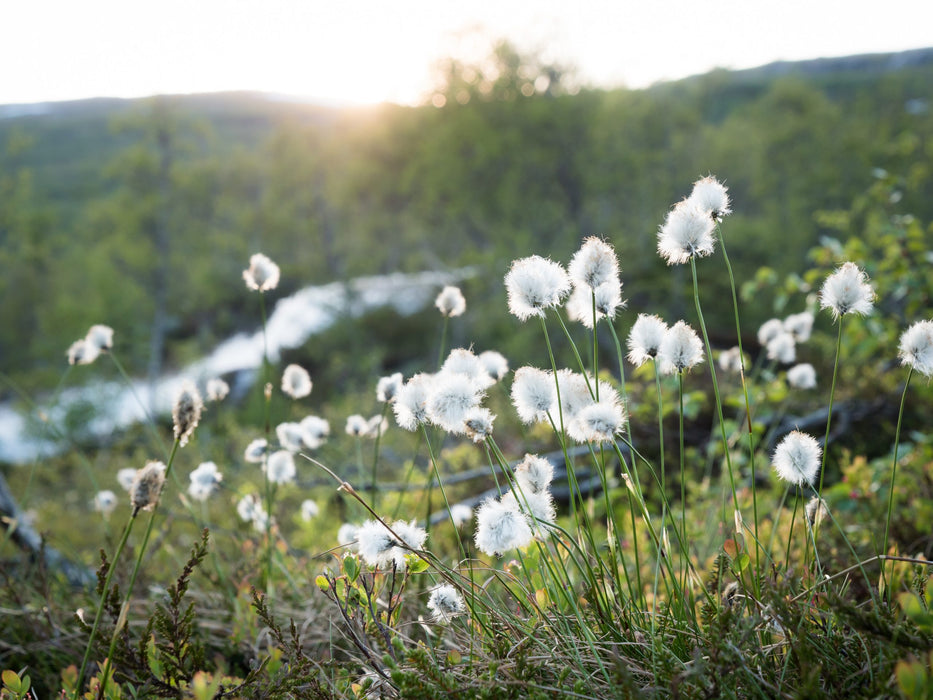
[{"x": 897, "y": 439}]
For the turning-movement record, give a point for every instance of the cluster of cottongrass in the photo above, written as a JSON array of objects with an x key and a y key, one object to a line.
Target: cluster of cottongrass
[{"x": 589, "y": 561}]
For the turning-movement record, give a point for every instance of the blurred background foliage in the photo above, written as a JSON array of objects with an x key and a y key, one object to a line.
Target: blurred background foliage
[{"x": 141, "y": 214}]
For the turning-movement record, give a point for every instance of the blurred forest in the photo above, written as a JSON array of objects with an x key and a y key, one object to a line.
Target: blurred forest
[{"x": 141, "y": 214}]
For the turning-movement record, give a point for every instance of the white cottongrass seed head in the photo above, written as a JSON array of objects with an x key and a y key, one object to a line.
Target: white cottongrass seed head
[
  {"x": 847, "y": 291},
  {"x": 460, "y": 514},
  {"x": 680, "y": 349},
  {"x": 500, "y": 527},
  {"x": 410, "y": 404},
  {"x": 580, "y": 304},
  {"x": 186, "y": 413},
  {"x": 125, "y": 477},
  {"x": 534, "y": 474},
  {"x": 262, "y": 274},
  {"x": 769, "y": 330},
  {"x": 290, "y": 436},
  {"x": 105, "y": 502},
  {"x": 916, "y": 347},
  {"x": 446, "y": 603},
  {"x": 711, "y": 196},
  {"x": 216, "y": 389},
  {"x": 101, "y": 337},
  {"x": 450, "y": 397},
  {"x": 375, "y": 543},
  {"x": 147, "y": 486},
  {"x": 376, "y": 426},
  {"x": 797, "y": 458},
  {"x": 598, "y": 422},
  {"x": 412, "y": 537},
  {"x": 346, "y": 535},
  {"x": 644, "y": 340},
  {"x": 309, "y": 510},
  {"x": 204, "y": 481},
  {"x": 495, "y": 364},
  {"x": 800, "y": 326},
  {"x": 731, "y": 360},
  {"x": 534, "y": 285},
  {"x": 81, "y": 352},
  {"x": 534, "y": 394},
  {"x": 357, "y": 425},
  {"x": 387, "y": 388},
  {"x": 314, "y": 431},
  {"x": 465, "y": 362},
  {"x": 802, "y": 376},
  {"x": 538, "y": 506},
  {"x": 594, "y": 264},
  {"x": 450, "y": 302},
  {"x": 816, "y": 510},
  {"x": 280, "y": 467},
  {"x": 782, "y": 348},
  {"x": 255, "y": 451},
  {"x": 296, "y": 382},
  {"x": 687, "y": 233},
  {"x": 478, "y": 422}
]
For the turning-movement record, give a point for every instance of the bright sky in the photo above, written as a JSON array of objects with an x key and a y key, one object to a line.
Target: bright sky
[{"x": 365, "y": 51}]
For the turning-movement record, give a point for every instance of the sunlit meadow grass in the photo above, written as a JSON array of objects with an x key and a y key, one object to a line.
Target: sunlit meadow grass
[{"x": 652, "y": 525}]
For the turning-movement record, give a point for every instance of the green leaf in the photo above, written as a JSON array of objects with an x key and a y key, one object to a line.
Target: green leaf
[
  {"x": 415, "y": 563},
  {"x": 352, "y": 566},
  {"x": 11, "y": 681},
  {"x": 322, "y": 583},
  {"x": 454, "y": 657}
]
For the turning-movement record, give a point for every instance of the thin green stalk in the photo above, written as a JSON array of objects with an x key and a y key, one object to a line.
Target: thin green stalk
[
  {"x": 712, "y": 371},
  {"x": 897, "y": 440},
  {"x": 100, "y": 606},
  {"x": 443, "y": 345},
  {"x": 748, "y": 406},
  {"x": 129, "y": 588},
  {"x": 683, "y": 478},
  {"x": 829, "y": 414},
  {"x": 440, "y": 483}
]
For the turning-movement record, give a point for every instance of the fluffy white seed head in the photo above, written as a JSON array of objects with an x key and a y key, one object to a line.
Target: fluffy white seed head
[
  {"x": 255, "y": 451},
  {"x": 580, "y": 304},
  {"x": 680, "y": 349},
  {"x": 816, "y": 510},
  {"x": 534, "y": 394},
  {"x": 534, "y": 285},
  {"x": 346, "y": 535},
  {"x": 538, "y": 506},
  {"x": 262, "y": 274},
  {"x": 916, "y": 347},
  {"x": 186, "y": 413},
  {"x": 248, "y": 506},
  {"x": 357, "y": 425},
  {"x": 309, "y": 510},
  {"x": 534, "y": 474},
  {"x": 446, "y": 603},
  {"x": 147, "y": 486},
  {"x": 782, "y": 348},
  {"x": 412, "y": 536},
  {"x": 387, "y": 388},
  {"x": 478, "y": 422},
  {"x": 105, "y": 502},
  {"x": 847, "y": 291},
  {"x": 460, "y": 514},
  {"x": 216, "y": 389},
  {"x": 125, "y": 478},
  {"x": 465, "y": 362},
  {"x": 204, "y": 480},
  {"x": 686, "y": 233},
  {"x": 711, "y": 196},
  {"x": 800, "y": 326},
  {"x": 376, "y": 426},
  {"x": 280, "y": 467},
  {"x": 450, "y": 398},
  {"x": 598, "y": 423},
  {"x": 593, "y": 264},
  {"x": 495, "y": 364},
  {"x": 296, "y": 382},
  {"x": 802, "y": 376},
  {"x": 770, "y": 330},
  {"x": 375, "y": 543},
  {"x": 314, "y": 431},
  {"x": 450, "y": 302},
  {"x": 100, "y": 337},
  {"x": 797, "y": 458},
  {"x": 81, "y": 352},
  {"x": 290, "y": 435},
  {"x": 500, "y": 527},
  {"x": 410, "y": 404},
  {"x": 731, "y": 360},
  {"x": 644, "y": 340}
]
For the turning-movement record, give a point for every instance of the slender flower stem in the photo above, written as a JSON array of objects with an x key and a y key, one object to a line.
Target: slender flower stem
[
  {"x": 897, "y": 440},
  {"x": 100, "y": 607},
  {"x": 443, "y": 345},
  {"x": 129, "y": 588},
  {"x": 712, "y": 371},
  {"x": 829, "y": 414},
  {"x": 440, "y": 483},
  {"x": 748, "y": 405}
]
